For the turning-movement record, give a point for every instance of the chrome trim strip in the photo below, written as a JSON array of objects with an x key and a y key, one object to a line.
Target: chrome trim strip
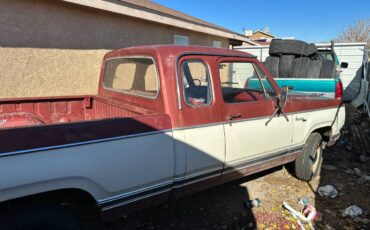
[
  {"x": 127, "y": 194},
  {"x": 186, "y": 177},
  {"x": 133, "y": 200},
  {"x": 201, "y": 179}
]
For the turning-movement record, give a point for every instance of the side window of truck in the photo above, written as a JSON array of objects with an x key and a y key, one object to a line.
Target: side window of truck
[
  {"x": 137, "y": 76},
  {"x": 196, "y": 83},
  {"x": 243, "y": 82}
]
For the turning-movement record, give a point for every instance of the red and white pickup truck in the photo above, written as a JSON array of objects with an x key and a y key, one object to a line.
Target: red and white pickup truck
[{"x": 167, "y": 121}]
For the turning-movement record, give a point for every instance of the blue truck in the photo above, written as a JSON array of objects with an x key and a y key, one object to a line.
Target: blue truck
[{"x": 304, "y": 68}]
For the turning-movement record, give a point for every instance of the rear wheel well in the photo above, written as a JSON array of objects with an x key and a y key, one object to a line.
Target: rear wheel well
[
  {"x": 77, "y": 200},
  {"x": 324, "y": 132}
]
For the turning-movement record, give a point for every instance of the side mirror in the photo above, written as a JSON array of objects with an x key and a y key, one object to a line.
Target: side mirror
[
  {"x": 283, "y": 97},
  {"x": 344, "y": 65}
]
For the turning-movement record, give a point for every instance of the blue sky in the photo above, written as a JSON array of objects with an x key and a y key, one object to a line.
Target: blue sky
[{"x": 312, "y": 20}]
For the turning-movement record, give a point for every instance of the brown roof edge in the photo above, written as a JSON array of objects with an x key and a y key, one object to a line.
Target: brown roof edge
[
  {"x": 155, "y": 7},
  {"x": 141, "y": 9}
]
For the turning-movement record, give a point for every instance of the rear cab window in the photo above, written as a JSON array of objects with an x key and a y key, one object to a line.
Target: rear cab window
[{"x": 132, "y": 75}]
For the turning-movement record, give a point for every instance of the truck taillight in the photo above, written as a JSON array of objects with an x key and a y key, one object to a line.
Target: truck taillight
[{"x": 339, "y": 90}]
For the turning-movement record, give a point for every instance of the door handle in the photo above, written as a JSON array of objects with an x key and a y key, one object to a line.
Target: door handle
[
  {"x": 300, "y": 119},
  {"x": 234, "y": 116}
]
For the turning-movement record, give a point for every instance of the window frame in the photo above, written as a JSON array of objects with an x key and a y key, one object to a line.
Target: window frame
[
  {"x": 181, "y": 36},
  {"x": 218, "y": 42},
  {"x": 127, "y": 92},
  {"x": 254, "y": 65},
  {"x": 210, "y": 84}
]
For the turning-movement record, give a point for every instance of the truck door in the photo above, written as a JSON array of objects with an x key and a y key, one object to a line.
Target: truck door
[
  {"x": 248, "y": 100},
  {"x": 199, "y": 139}
]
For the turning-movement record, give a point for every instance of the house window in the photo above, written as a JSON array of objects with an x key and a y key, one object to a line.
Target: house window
[
  {"x": 180, "y": 40},
  {"x": 217, "y": 44}
]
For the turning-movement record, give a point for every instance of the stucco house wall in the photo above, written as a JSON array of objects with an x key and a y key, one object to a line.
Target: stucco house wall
[{"x": 55, "y": 48}]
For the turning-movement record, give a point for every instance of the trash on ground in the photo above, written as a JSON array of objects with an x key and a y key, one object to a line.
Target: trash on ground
[
  {"x": 352, "y": 211},
  {"x": 300, "y": 216},
  {"x": 357, "y": 171},
  {"x": 304, "y": 201},
  {"x": 311, "y": 213},
  {"x": 252, "y": 203},
  {"x": 309, "y": 210},
  {"x": 349, "y": 171},
  {"x": 364, "y": 158},
  {"x": 328, "y": 167},
  {"x": 363, "y": 178},
  {"x": 327, "y": 191}
]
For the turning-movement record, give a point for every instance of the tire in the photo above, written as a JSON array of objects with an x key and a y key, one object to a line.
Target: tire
[
  {"x": 272, "y": 65},
  {"x": 40, "y": 217},
  {"x": 300, "y": 67},
  {"x": 327, "y": 69},
  {"x": 313, "y": 69},
  {"x": 286, "y": 66},
  {"x": 311, "y": 49},
  {"x": 308, "y": 164},
  {"x": 293, "y": 47}
]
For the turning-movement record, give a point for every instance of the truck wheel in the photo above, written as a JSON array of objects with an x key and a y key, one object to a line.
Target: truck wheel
[
  {"x": 40, "y": 217},
  {"x": 308, "y": 164}
]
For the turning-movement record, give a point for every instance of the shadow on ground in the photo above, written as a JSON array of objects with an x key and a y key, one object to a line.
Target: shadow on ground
[{"x": 221, "y": 207}]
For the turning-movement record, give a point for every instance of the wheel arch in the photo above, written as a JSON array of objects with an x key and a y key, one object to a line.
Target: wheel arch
[
  {"x": 323, "y": 131},
  {"x": 58, "y": 196}
]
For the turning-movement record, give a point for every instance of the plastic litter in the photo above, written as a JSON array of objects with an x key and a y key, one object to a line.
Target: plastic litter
[
  {"x": 362, "y": 176},
  {"x": 252, "y": 203},
  {"x": 357, "y": 171},
  {"x": 311, "y": 213},
  {"x": 309, "y": 210},
  {"x": 304, "y": 201},
  {"x": 328, "y": 167},
  {"x": 364, "y": 158},
  {"x": 299, "y": 215},
  {"x": 327, "y": 191},
  {"x": 352, "y": 211}
]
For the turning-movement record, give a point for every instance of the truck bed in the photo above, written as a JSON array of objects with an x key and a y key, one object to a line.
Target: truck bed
[{"x": 53, "y": 110}]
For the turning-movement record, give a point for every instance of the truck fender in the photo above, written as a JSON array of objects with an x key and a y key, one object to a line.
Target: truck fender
[{"x": 26, "y": 190}]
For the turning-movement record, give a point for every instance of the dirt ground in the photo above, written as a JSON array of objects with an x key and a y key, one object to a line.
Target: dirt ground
[{"x": 222, "y": 207}]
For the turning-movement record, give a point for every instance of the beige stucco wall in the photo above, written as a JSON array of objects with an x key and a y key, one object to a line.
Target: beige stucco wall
[
  {"x": 28, "y": 72},
  {"x": 55, "y": 48}
]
